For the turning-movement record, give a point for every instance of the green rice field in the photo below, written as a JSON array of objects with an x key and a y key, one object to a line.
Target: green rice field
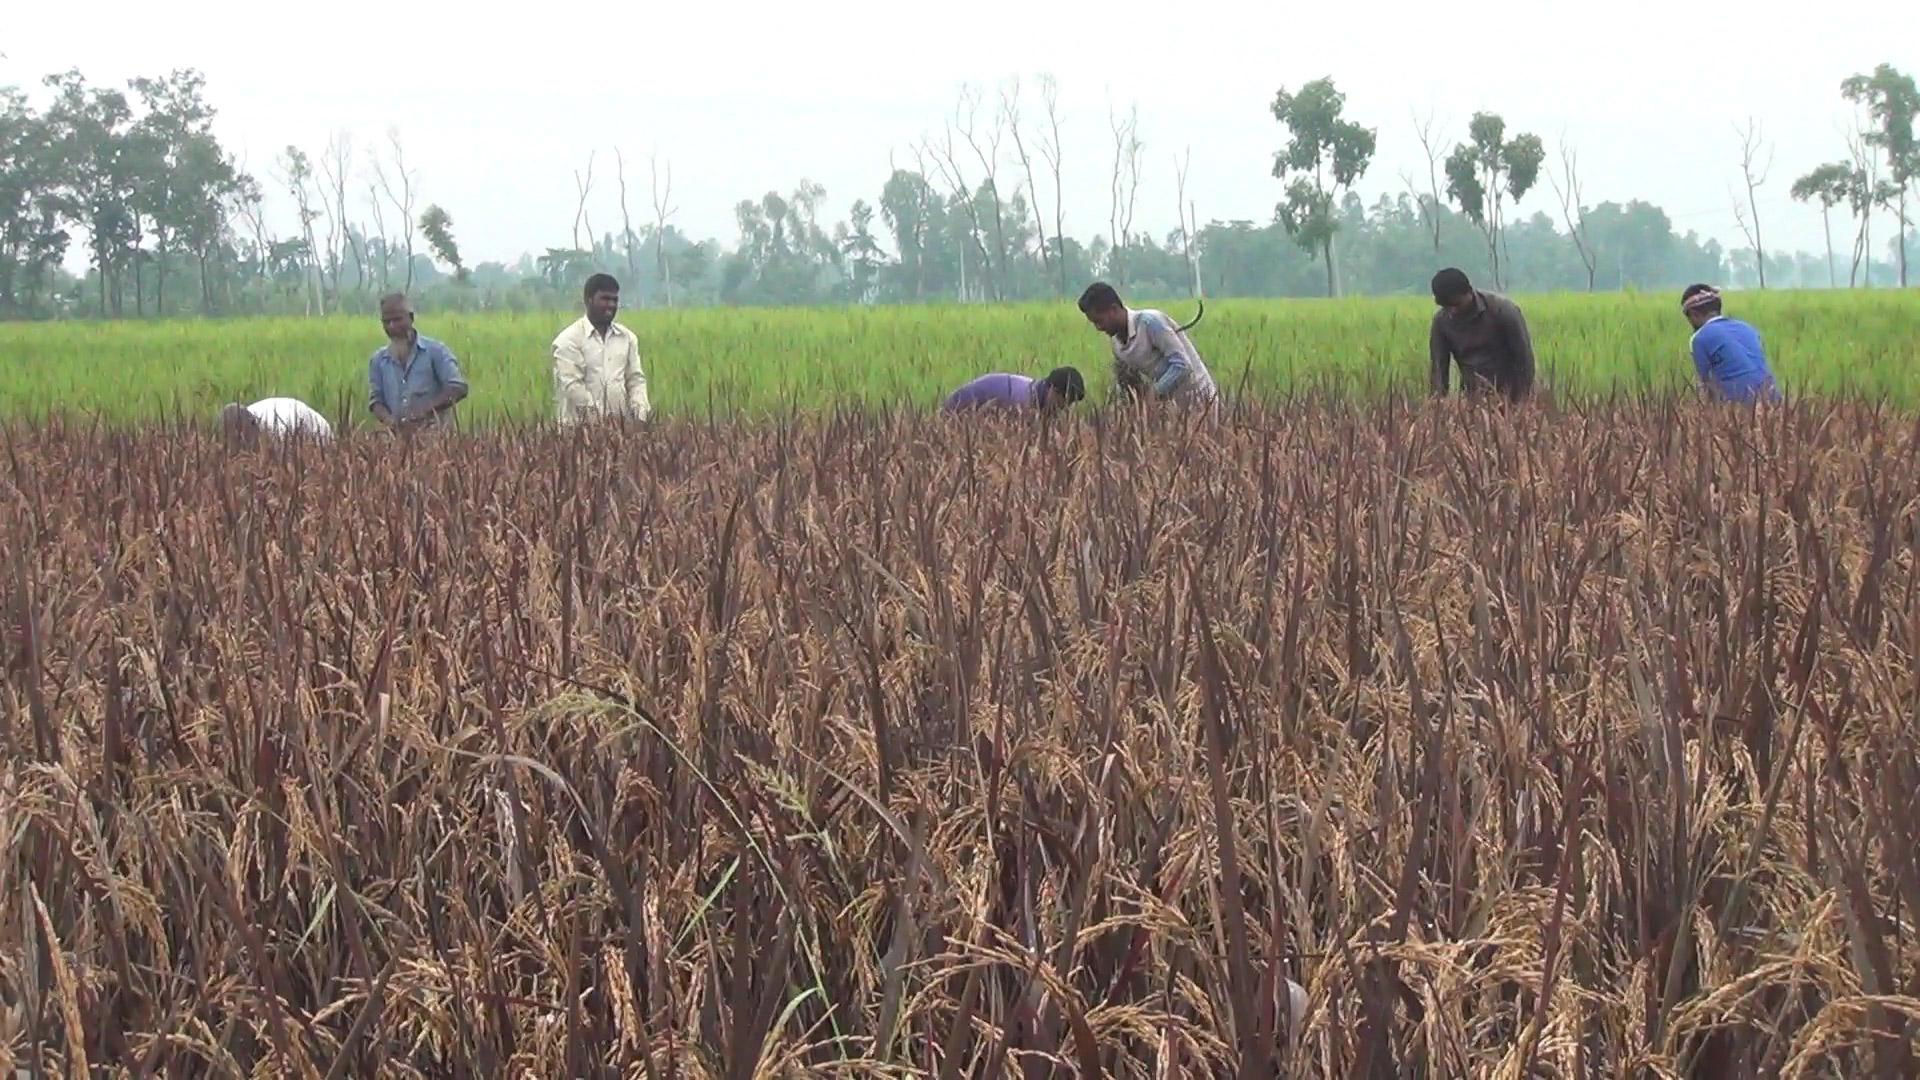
[{"x": 1841, "y": 344}]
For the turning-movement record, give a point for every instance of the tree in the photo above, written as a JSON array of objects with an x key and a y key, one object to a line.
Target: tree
[
  {"x": 1428, "y": 202},
  {"x": 1484, "y": 171},
  {"x": 1755, "y": 175},
  {"x": 437, "y": 227},
  {"x": 1829, "y": 185},
  {"x": 1573, "y": 208},
  {"x": 32, "y": 243},
  {"x": 1010, "y": 109},
  {"x": 1326, "y": 154},
  {"x": 662, "y": 210},
  {"x": 296, "y": 174},
  {"x": 398, "y": 186},
  {"x": 1893, "y": 101},
  {"x": 1125, "y": 187},
  {"x": 1050, "y": 149},
  {"x": 627, "y": 238}
]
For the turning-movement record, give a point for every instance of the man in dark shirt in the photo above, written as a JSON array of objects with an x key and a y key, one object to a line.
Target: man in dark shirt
[{"x": 1485, "y": 333}]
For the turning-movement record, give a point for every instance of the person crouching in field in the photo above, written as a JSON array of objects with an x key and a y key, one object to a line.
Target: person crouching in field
[
  {"x": 1485, "y": 333},
  {"x": 1152, "y": 355},
  {"x": 596, "y": 361},
  {"x": 279, "y": 416},
  {"x": 1061, "y": 388},
  {"x": 413, "y": 381},
  {"x": 1727, "y": 353}
]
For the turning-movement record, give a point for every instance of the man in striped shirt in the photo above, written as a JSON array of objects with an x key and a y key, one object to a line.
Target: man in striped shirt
[{"x": 1151, "y": 353}]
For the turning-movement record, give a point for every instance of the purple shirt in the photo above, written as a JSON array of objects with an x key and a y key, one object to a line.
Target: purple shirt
[{"x": 998, "y": 389}]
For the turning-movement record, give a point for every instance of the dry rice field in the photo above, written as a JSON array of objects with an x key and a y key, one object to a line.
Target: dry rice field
[{"x": 1552, "y": 743}]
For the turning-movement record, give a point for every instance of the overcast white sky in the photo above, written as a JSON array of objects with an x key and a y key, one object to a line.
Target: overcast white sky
[{"x": 497, "y": 111}]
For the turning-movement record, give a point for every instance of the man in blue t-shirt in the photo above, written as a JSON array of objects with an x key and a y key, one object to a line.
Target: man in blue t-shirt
[{"x": 1727, "y": 354}]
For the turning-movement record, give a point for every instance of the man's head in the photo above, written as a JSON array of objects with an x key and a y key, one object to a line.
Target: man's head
[
  {"x": 1452, "y": 290},
  {"x": 1700, "y": 303},
  {"x": 1102, "y": 307},
  {"x": 602, "y": 295},
  {"x": 238, "y": 426},
  {"x": 1061, "y": 388},
  {"x": 396, "y": 316}
]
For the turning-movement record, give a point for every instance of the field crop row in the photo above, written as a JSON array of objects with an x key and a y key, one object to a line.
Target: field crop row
[
  {"x": 897, "y": 746},
  {"x": 1851, "y": 344}
]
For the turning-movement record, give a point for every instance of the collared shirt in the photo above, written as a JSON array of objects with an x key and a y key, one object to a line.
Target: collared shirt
[
  {"x": 1731, "y": 361},
  {"x": 595, "y": 373},
  {"x": 430, "y": 369},
  {"x": 996, "y": 390},
  {"x": 1491, "y": 344},
  {"x": 1159, "y": 353},
  {"x": 290, "y": 416}
]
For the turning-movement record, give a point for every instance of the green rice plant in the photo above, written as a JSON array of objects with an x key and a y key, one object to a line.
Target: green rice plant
[{"x": 1853, "y": 344}]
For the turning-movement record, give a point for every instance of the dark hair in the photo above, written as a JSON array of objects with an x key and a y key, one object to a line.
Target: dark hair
[
  {"x": 1066, "y": 382},
  {"x": 599, "y": 283},
  {"x": 1099, "y": 297},
  {"x": 1450, "y": 284},
  {"x": 1711, "y": 307}
]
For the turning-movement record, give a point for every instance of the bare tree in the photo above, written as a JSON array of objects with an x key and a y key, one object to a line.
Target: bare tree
[
  {"x": 1752, "y": 143},
  {"x": 398, "y": 187},
  {"x": 626, "y": 222},
  {"x": 662, "y": 210},
  {"x": 1187, "y": 225},
  {"x": 296, "y": 175},
  {"x": 583, "y": 187},
  {"x": 1050, "y": 149},
  {"x": 1125, "y": 185},
  {"x": 967, "y": 118},
  {"x": 1430, "y": 203},
  {"x": 1865, "y": 193},
  {"x": 948, "y": 162},
  {"x": 337, "y": 165},
  {"x": 1573, "y": 207},
  {"x": 1010, "y": 109}
]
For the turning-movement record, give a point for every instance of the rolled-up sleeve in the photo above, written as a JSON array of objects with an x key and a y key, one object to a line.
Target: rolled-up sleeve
[{"x": 447, "y": 369}]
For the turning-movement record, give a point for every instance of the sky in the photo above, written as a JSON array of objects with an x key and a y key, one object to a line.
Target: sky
[{"x": 498, "y": 112}]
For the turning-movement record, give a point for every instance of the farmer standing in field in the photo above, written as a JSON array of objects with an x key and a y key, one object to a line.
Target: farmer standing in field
[
  {"x": 1485, "y": 333},
  {"x": 1727, "y": 353},
  {"x": 1151, "y": 353},
  {"x": 1062, "y": 387},
  {"x": 414, "y": 381},
  {"x": 596, "y": 361}
]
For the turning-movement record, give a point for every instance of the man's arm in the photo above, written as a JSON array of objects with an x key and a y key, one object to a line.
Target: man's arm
[
  {"x": 376, "y": 404},
  {"x": 453, "y": 384},
  {"x": 569, "y": 375},
  {"x": 637, "y": 402},
  {"x": 1440, "y": 359},
  {"x": 1702, "y": 349},
  {"x": 1519, "y": 351},
  {"x": 1167, "y": 344}
]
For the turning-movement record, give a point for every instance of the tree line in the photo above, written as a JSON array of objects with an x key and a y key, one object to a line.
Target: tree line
[{"x": 170, "y": 223}]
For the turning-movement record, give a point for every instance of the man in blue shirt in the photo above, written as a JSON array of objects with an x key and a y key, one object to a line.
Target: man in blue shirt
[
  {"x": 1061, "y": 388},
  {"x": 413, "y": 381},
  {"x": 1727, "y": 354}
]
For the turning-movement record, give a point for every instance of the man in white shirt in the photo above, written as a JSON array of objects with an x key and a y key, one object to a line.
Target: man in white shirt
[
  {"x": 278, "y": 416},
  {"x": 596, "y": 361},
  {"x": 1151, "y": 353}
]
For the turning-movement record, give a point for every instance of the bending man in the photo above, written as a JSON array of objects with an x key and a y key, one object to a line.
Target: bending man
[
  {"x": 1485, "y": 333},
  {"x": 1727, "y": 353},
  {"x": 1151, "y": 352},
  {"x": 1062, "y": 387}
]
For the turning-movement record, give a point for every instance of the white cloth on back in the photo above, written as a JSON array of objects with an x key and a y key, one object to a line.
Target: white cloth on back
[{"x": 285, "y": 416}]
